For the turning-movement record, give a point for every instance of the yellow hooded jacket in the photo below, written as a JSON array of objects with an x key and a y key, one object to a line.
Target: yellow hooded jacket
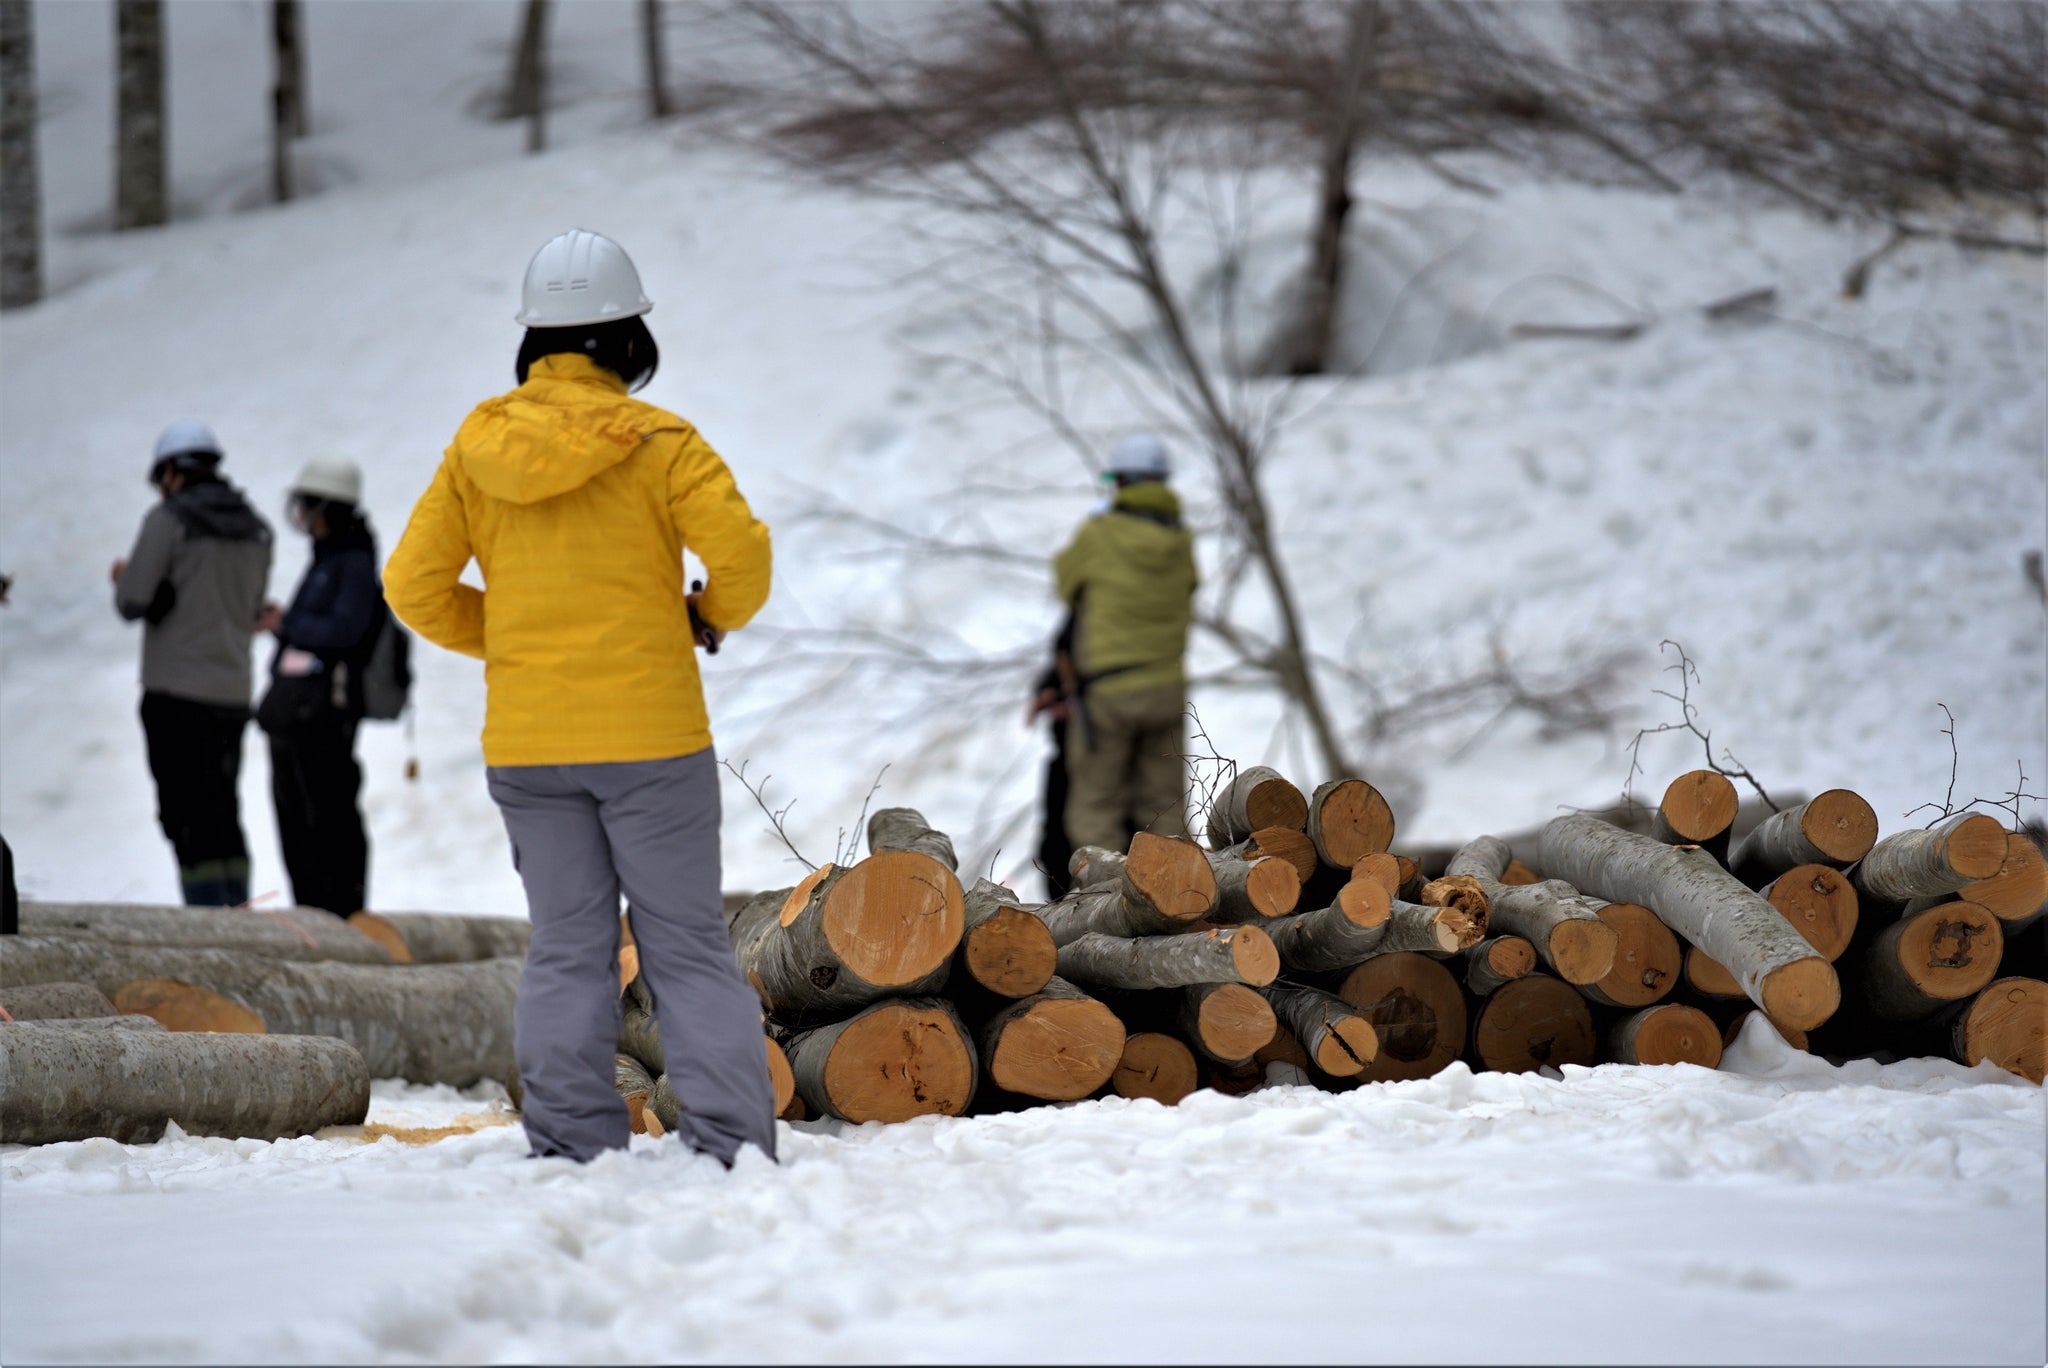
[{"x": 576, "y": 502}]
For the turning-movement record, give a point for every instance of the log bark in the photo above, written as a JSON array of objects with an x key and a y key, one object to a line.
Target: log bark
[
  {"x": 1694, "y": 896},
  {"x": 847, "y": 936},
  {"x": 1416, "y": 1009},
  {"x": 1226, "y": 954},
  {"x": 1563, "y": 924},
  {"x": 445, "y": 1023},
  {"x": 1163, "y": 884},
  {"x": 444, "y": 938},
  {"x": 1058, "y": 1045},
  {"x": 104, "y": 1023},
  {"x": 60, "y": 1083},
  {"x": 1533, "y": 1023},
  {"x": 1157, "y": 1066},
  {"x": 1227, "y": 1022},
  {"x": 141, "y": 194},
  {"x": 902, "y": 828},
  {"x": 1669, "y": 1033},
  {"x": 889, "y": 1062},
  {"x": 1932, "y": 863},
  {"x": 55, "y": 1002},
  {"x": 296, "y": 933},
  {"x": 1340, "y": 935},
  {"x": 1347, "y": 820},
  {"x": 1005, "y": 947},
  {"x": 1647, "y": 959},
  {"x": 636, "y": 1086},
  {"x": 2006, "y": 1024},
  {"x": 1257, "y": 797},
  {"x": 1253, "y": 890},
  {"x": 2017, "y": 894},
  {"x": 1335, "y": 1036},
  {"x": 640, "y": 1035},
  {"x": 1835, "y": 828},
  {"x": 1496, "y": 962},
  {"x": 1697, "y": 809},
  {"x": 1930, "y": 958}
]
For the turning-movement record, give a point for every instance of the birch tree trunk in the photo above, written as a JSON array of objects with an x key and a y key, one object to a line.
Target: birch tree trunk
[
  {"x": 1833, "y": 828},
  {"x": 59, "y": 1083},
  {"x": 1226, "y": 1022},
  {"x": 1256, "y": 797},
  {"x": 21, "y": 180},
  {"x": 651, "y": 40},
  {"x": 1163, "y": 885},
  {"x": 1930, "y": 958},
  {"x": 1058, "y": 1045},
  {"x": 1416, "y": 1010},
  {"x": 1337, "y": 936},
  {"x": 55, "y": 1002},
  {"x": 442, "y": 937},
  {"x": 295, "y": 933},
  {"x": 1228, "y": 954},
  {"x": 526, "y": 90},
  {"x": 1335, "y": 1036},
  {"x": 1647, "y": 959},
  {"x": 889, "y": 1062},
  {"x": 1156, "y": 1066},
  {"x": 1563, "y": 924},
  {"x": 1533, "y": 1023},
  {"x": 1343, "y": 120},
  {"x": 287, "y": 96},
  {"x": 1669, "y": 1033},
  {"x": 1347, "y": 821},
  {"x": 1932, "y": 863},
  {"x": 1005, "y": 947},
  {"x": 1694, "y": 896},
  {"x": 141, "y": 185}
]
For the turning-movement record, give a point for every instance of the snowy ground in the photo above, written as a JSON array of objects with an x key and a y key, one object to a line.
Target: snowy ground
[{"x": 1828, "y": 507}]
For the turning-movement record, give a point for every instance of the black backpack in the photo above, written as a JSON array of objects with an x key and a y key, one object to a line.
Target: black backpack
[{"x": 387, "y": 672}]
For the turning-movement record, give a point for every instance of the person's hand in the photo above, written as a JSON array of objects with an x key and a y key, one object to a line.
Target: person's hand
[
  {"x": 271, "y": 618},
  {"x": 1045, "y": 700},
  {"x": 708, "y": 637},
  {"x": 114, "y": 575}
]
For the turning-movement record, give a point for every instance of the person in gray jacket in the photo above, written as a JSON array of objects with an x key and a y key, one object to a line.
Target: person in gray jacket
[{"x": 195, "y": 579}]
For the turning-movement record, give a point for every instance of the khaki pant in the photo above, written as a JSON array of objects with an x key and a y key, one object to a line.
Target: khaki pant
[{"x": 1132, "y": 777}]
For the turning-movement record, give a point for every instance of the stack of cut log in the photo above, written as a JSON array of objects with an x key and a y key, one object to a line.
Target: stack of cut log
[
  {"x": 115, "y": 1020},
  {"x": 1295, "y": 945}
]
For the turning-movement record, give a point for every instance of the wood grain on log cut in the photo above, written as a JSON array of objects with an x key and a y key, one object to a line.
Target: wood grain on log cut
[
  {"x": 1257, "y": 797},
  {"x": 1497, "y": 961},
  {"x": 1004, "y": 947},
  {"x": 1227, "y": 954},
  {"x": 60, "y": 1083},
  {"x": 780, "y": 1078},
  {"x": 1647, "y": 958},
  {"x": 1698, "y": 807},
  {"x": 445, "y": 938},
  {"x": 1791, "y": 1035},
  {"x": 1057, "y": 1045},
  {"x": 1563, "y": 924},
  {"x": 636, "y": 1086},
  {"x": 1708, "y": 977},
  {"x": 1283, "y": 843},
  {"x": 1334, "y": 1035},
  {"x": 1820, "y": 903},
  {"x": 1347, "y": 820},
  {"x": 436, "y": 1023},
  {"x": 2016, "y": 894},
  {"x": 55, "y": 1002},
  {"x": 1669, "y": 1033},
  {"x": 1517, "y": 874},
  {"x": 1416, "y": 1009},
  {"x": 1381, "y": 868},
  {"x": 1337, "y": 936},
  {"x": 1157, "y": 1066},
  {"x": 1932, "y": 863},
  {"x": 847, "y": 936},
  {"x": 1928, "y": 958},
  {"x": 891, "y": 1061},
  {"x": 2007, "y": 1024},
  {"x": 1227, "y": 1022},
  {"x": 902, "y": 828},
  {"x": 1534, "y": 1022},
  {"x": 296, "y": 933},
  {"x": 1834, "y": 828},
  {"x": 1704, "y": 903},
  {"x": 1252, "y": 890},
  {"x": 1163, "y": 884}
]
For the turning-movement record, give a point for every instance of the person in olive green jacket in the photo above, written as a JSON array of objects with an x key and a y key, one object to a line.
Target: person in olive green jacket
[{"x": 1128, "y": 577}]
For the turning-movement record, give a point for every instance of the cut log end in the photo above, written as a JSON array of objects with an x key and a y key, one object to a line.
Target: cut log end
[
  {"x": 1235, "y": 1022},
  {"x": 1460, "y": 891},
  {"x": 1840, "y": 825},
  {"x": 1951, "y": 951},
  {"x": 1347, "y": 1047},
  {"x": 1253, "y": 952},
  {"x": 1670, "y": 1034},
  {"x": 2019, "y": 888},
  {"x": 1511, "y": 957},
  {"x": 894, "y": 917},
  {"x": 1285, "y": 843},
  {"x": 1273, "y": 802},
  {"x": 1647, "y": 957},
  {"x": 1975, "y": 849},
  {"x": 384, "y": 933},
  {"x": 1801, "y": 993},
  {"x": 2007, "y": 1025},
  {"x": 1533, "y": 1023},
  {"x": 1365, "y": 903},
  {"x": 1380, "y": 868},
  {"x": 1011, "y": 953},
  {"x": 1155, "y": 1066},
  {"x": 1059, "y": 1050},
  {"x": 183, "y": 1007},
  {"x": 1173, "y": 874},
  {"x": 1820, "y": 903},
  {"x": 1350, "y": 821},
  {"x": 1708, "y": 976},
  {"x": 1273, "y": 886},
  {"x": 1582, "y": 949},
  {"x": 1700, "y": 805},
  {"x": 1417, "y": 1010},
  {"x": 900, "y": 1060},
  {"x": 780, "y": 1076}
]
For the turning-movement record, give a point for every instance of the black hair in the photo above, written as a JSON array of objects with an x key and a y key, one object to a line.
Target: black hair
[
  {"x": 198, "y": 463},
  {"x": 622, "y": 346}
]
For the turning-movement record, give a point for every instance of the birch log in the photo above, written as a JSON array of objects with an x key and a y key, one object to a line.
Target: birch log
[
  {"x": 1496, "y": 962},
  {"x": 2017, "y": 894},
  {"x": 442, "y": 1023},
  {"x": 1004, "y": 947},
  {"x": 1257, "y": 797},
  {"x": 1162, "y": 885},
  {"x": 1697, "y": 809},
  {"x": 1835, "y": 828},
  {"x": 1932, "y": 863},
  {"x": 1347, "y": 820},
  {"x": 1058, "y": 1045},
  {"x": 1253, "y": 890},
  {"x": 1227, "y": 1022},
  {"x": 902, "y": 828},
  {"x": 1533, "y": 1023},
  {"x": 55, "y": 1002},
  {"x": 1337, "y": 936},
  {"x": 1381, "y": 868},
  {"x": 636, "y": 1086},
  {"x": 1285, "y": 843},
  {"x": 1336, "y": 1037},
  {"x": 117, "y": 1022},
  {"x": 1227, "y": 954},
  {"x": 1927, "y": 959},
  {"x": 1647, "y": 959},
  {"x": 1668, "y": 1033},
  {"x": 1157, "y": 1066},
  {"x": 443, "y": 938},
  {"x": 1416, "y": 1010},
  {"x": 2007, "y": 1024},
  {"x": 847, "y": 936},
  {"x": 297, "y": 933},
  {"x": 1704, "y": 903},
  {"x": 894, "y": 1060},
  {"x": 640, "y": 1035},
  {"x": 60, "y": 1083},
  {"x": 1553, "y": 916}
]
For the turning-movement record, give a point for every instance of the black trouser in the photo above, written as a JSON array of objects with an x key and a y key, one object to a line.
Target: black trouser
[
  {"x": 314, "y": 779},
  {"x": 1055, "y": 851},
  {"x": 195, "y": 754}
]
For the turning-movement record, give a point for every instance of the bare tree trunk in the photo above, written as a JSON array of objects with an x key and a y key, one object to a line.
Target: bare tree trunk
[
  {"x": 287, "y": 95},
  {"x": 1345, "y": 115},
  {"x": 1348, "y": 820},
  {"x": 1257, "y": 797},
  {"x": 902, "y": 828},
  {"x": 141, "y": 191},
  {"x": 21, "y": 184},
  {"x": 526, "y": 91},
  {"x": 2016, "y": 894},
  {"x": 1228, "y": 954},
  {"x": 1252, "y": 890},
  {"x": 1163, "y": 885},
  {"x": 657, "y": 59}
]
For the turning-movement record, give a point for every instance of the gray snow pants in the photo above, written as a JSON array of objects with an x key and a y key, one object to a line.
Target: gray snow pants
[{"x": 582, "y": 834}]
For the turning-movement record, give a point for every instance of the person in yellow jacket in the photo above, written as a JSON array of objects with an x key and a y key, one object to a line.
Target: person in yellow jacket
[
  {"x": 577, "y": 502},
  {"x": 1128, "y": 578}
]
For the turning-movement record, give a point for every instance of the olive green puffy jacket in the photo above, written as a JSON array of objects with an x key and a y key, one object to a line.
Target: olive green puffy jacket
[{"x": 1129, "y": 575}]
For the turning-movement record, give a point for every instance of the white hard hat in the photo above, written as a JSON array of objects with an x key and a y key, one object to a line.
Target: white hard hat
[
  {"x": 1141, "y": 454},
  {"x": 335, "y": 478},
  {"x": 187, "y": 437},
  {"x": 580, "y": 277}
]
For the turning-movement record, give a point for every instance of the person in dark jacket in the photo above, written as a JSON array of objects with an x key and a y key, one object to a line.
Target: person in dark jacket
[
  {"x": 315, "y": 700},
  {"x": 195, "y": 579}
]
